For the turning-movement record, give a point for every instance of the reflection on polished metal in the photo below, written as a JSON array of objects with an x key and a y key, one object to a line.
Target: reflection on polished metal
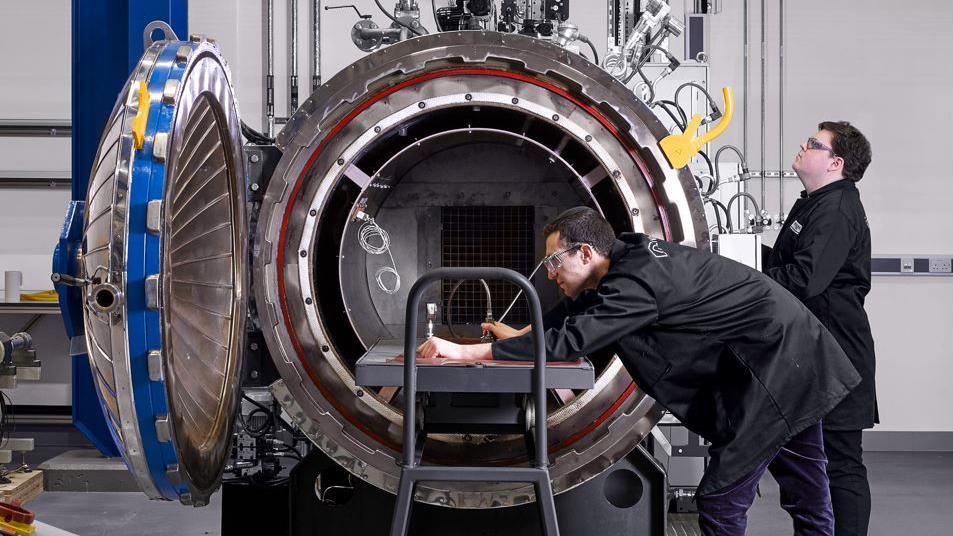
[
  {"x": 165, "y": 241},
  {"x": 423, "y": 120}
]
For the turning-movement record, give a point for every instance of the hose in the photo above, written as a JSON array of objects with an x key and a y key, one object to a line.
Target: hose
[
  {"x": 711, "y": 102},
  {"x": 746, "y": 195},
  {"x": 718, "y": 205},
  {"x": 743, "y": 162},
  {"x": 681, "y": 124},
  {"x": 254, "y": 136},
  {"x": 595, "y": 54},
  {"x": 704, "y": 155}
]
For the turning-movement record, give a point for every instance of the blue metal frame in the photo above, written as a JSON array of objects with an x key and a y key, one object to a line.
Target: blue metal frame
[{"x": 107, "y": 44}]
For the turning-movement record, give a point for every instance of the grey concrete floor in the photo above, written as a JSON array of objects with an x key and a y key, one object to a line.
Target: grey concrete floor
[
  {"x": 912, "y": 494},
  {"x": 115, "y": 514}
]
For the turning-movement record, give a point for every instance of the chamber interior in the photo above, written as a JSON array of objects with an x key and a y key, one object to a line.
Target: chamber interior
[{"x": 464, "y": 186}]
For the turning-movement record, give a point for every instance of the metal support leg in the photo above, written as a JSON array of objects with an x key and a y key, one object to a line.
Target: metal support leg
[
  {"x": 546, "y": 505},
  {"x": 400, "y": 523}
]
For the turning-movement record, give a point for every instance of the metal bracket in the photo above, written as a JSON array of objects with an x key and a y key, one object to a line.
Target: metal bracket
[
  {"x": 167, "y": 31},
  {"x": 154, "y": 216},
  {"x": 152, "y": 292}
]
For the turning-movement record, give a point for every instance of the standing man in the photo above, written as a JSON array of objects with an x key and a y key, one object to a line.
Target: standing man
[
  {"x": 728, "y": 351},
  {"x": 822, "y": 255}
]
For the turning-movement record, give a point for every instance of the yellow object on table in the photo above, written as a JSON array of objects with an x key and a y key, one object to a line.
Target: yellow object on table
[{"x": 42, "y": 296}]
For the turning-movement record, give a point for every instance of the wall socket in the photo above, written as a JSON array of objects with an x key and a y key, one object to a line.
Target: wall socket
[
  {"x": 941, "y": 265},
  {"x": 906, "y": 265}
]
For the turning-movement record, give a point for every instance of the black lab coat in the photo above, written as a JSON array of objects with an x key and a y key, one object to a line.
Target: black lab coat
[
  {"x": 735, "y": 357},
  {"x": 822, "y": 255}
]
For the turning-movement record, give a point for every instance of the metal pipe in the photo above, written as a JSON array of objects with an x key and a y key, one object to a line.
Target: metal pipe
[
  {"x": 270, "y": 68},
  {"x": 744, "y": 109},
  {"x": 780, "y": 112},
  {"x": 316, "y": 45},
  {"x": 387, "y": 34},
  {"x": 293, "y": 58},
  {"x": 764, "y": 84}
]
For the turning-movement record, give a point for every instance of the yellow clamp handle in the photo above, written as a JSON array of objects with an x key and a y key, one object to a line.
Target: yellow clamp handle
[
  {"x": 142, "y": 116},
  {"x": 681, "y": 148}
]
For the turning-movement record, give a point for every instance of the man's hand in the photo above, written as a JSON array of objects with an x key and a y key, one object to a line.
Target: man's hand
[
  {"x": 437, "y": 347},
  {"x": 501, "y": 331}
]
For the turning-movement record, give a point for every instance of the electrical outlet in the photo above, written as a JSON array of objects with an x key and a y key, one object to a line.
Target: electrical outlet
[
  {"x": 941, "y": 265},
  {"x": 906, "y": 265}
]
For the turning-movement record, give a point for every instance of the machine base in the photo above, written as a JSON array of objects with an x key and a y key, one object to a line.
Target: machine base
[{"x": 629, "y": 498}]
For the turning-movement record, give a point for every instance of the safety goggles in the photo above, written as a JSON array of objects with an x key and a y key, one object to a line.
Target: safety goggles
[
  {"x": 555, "y": 261},
  {"x": 814, "y": 143}
]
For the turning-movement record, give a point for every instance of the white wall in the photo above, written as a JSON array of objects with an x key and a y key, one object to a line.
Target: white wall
[
  {"x": 35, "y": 84},
  {"x": 882, "y": 66}
]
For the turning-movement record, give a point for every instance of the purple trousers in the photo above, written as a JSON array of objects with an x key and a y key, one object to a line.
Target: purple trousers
[{"x": 800, "y": 468}]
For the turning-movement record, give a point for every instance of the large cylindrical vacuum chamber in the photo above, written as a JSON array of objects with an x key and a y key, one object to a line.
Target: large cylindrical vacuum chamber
[{"x": 460, "y": 146}]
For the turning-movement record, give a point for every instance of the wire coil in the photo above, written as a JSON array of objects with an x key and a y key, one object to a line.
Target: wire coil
[{"x": 376, "y": 241}]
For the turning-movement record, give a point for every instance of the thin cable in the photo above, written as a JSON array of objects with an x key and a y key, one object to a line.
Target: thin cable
[
  {"x": 518, "y": 294},
  {"x": 395, "y": 19}
]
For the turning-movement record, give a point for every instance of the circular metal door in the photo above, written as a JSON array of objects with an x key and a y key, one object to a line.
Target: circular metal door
[
  {"x": 164, "y": 259},
  {"x": 423, "y": 112}
]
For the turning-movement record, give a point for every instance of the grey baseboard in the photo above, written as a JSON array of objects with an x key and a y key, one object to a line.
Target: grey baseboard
[{"x": 875, "y": 440}]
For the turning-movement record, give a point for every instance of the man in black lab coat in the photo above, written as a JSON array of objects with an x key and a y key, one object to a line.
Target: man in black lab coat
[
  {"x": 727, "y": 350},
  {"x": 822, "y": 255}
]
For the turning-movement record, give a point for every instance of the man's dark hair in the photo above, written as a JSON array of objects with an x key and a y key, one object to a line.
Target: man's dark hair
[
  {"x": 583, "y": 225},
  {"x": 851, "y": 145}
]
